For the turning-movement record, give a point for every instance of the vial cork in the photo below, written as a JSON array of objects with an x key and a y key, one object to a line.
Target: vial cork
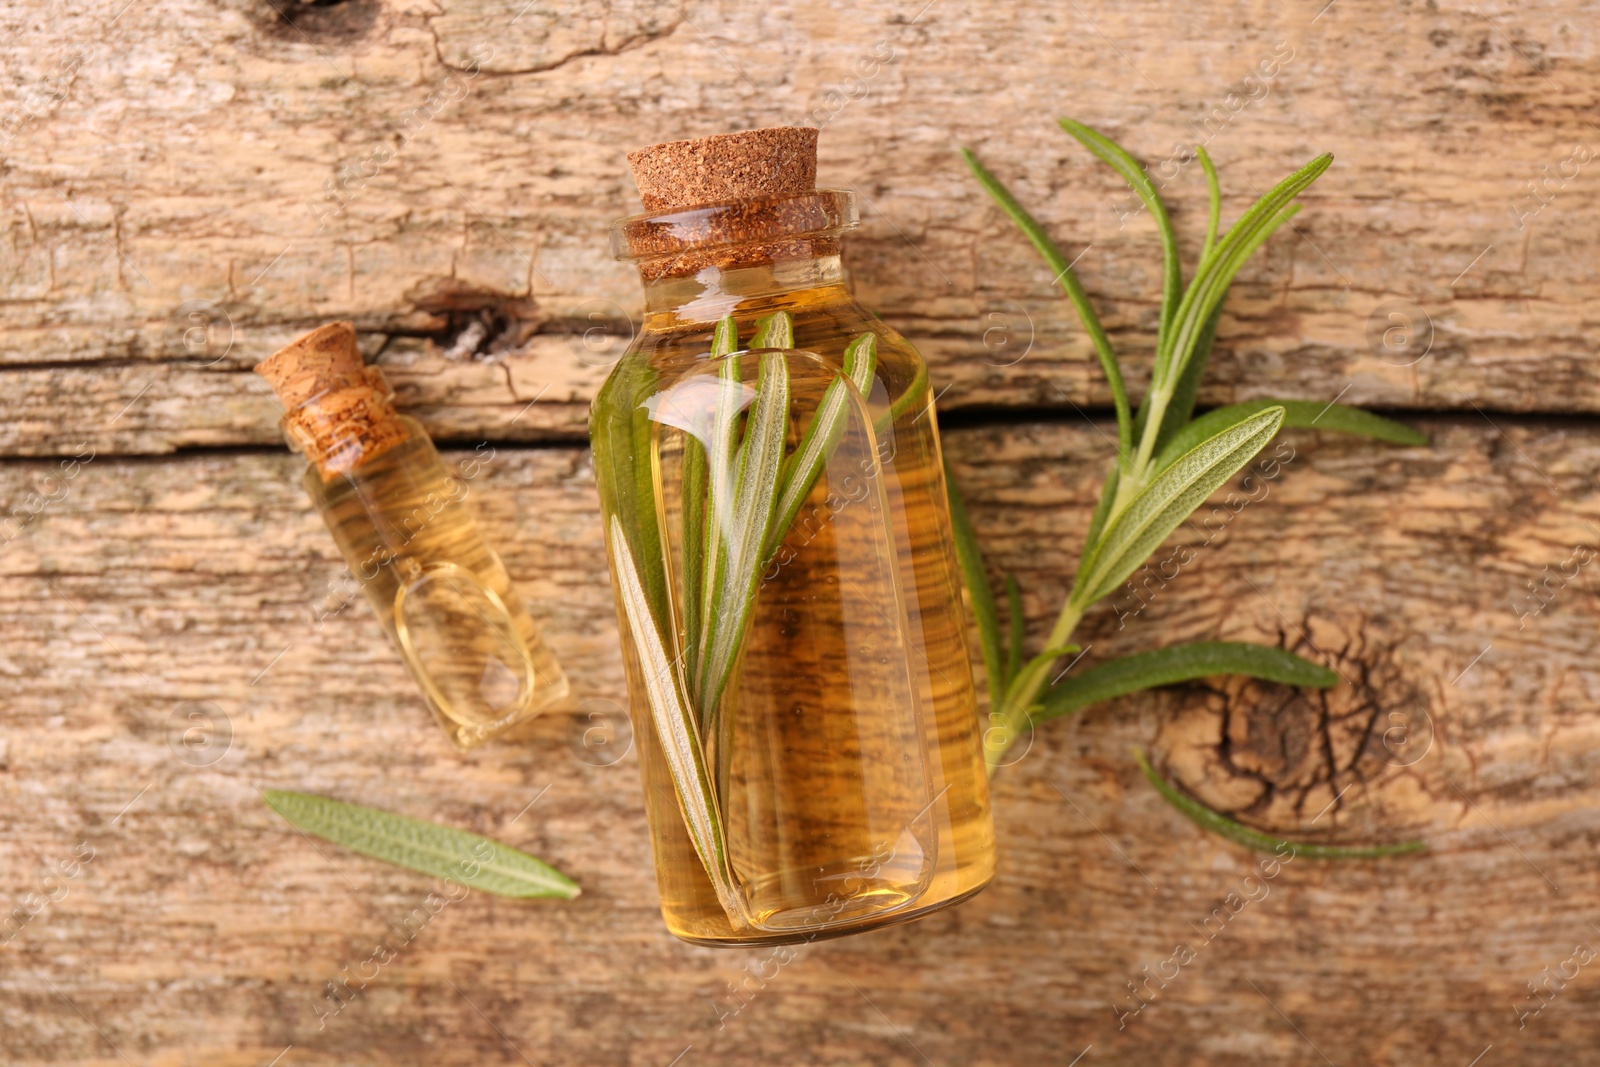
[{"x": 338, "y": 411}]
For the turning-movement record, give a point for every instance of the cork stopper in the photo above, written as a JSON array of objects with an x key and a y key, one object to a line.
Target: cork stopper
[
  {"x": 765, "y": 164},
  {"x": 731, "y": 200},
  {"x": 339, "y": 411}
]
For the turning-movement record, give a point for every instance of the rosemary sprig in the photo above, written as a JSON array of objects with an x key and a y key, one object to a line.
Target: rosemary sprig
[
  {"x": 1168, "y": 462},
  {"x": 740, "y": 496}
]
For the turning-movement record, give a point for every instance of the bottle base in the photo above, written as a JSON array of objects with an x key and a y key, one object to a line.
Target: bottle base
[{"x": 800, "y": 937}]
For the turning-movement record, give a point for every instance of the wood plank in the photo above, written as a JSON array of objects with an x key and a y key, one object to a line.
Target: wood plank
[
  {"x": 140, "y": 183},
  {"x": 203, "y": 929}
]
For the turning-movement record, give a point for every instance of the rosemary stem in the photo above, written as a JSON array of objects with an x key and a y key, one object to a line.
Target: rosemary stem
[
  {"x": 1014, "y": 713},
  {"x": 1132, "y": 482}
]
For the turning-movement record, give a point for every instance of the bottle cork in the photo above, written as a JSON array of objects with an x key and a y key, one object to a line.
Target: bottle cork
[
  {"x": 336, "y": 408},
  {"x": 777, "y": 161},
  {"x": 731, "y": 200}
]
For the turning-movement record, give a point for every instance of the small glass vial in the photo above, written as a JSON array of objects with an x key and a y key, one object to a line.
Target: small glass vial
[
  {"x": 402, "y": 523},
  {"x": 788, "y": 594}
]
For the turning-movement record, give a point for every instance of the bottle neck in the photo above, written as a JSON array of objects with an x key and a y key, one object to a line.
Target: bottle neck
[
  {"x": 699, "y": 264},
  {"x": 715, "y": 292}
]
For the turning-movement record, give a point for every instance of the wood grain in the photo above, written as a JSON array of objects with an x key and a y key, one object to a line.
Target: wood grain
[
  {"x": 204, "y": 928},
  {"x": 187, "y": 184},
  {"x": 416, "y": 166}
]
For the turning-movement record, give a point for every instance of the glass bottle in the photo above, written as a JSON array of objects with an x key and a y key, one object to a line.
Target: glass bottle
[
  {"x": 779, "y": 535},
  {"x": 401, "y": 521}
]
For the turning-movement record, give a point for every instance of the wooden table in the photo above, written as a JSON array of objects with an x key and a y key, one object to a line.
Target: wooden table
[{"x": 186, "y": 185}]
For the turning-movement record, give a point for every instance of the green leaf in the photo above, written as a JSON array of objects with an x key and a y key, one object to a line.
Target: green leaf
[
  {"x": 1180, "y": 663},
  {"x": 428, "y": 847},
  {"x": 1223, "y": 826},
  {"x": 1214, "y": 192},
  {"x": 1216, "y": 271},
  {"x": 754, "y": 500},
  {"x": 976, "y": 576},
  {"x": 676, "y": 728},
  {"x": 1167, "y": 500},
  {"x": 1134, "y": 174},
  {"x": 801, "y": 470},
  {"x": 1297, "y": 414},
  {"x": 1018, "y": 628},
  {"x": 722, "y": 462},
  {"x": 774, "y": 331},
  {"x": 1102, "y": 511},
  {"x": 1181, "y": 407},
  {"x": 725, "y": 338},
  {"x": 1069, "y": 281}
]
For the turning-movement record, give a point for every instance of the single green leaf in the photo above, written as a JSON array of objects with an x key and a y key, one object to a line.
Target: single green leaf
[
  {"x": 724, "y": 340},
  {"x": 1167, "y": 500},
  {"x": 722, "y": 461},
  {"x": 1068, "y": 280},
  {"x": 1134, "y": 174},
  {"x": 1297, "y": 414},
  {"x": 725, "y": 337},
  {"x": 976, "y": 576},
  {"x": 1223, "y": 826},
  {"x": 774, "y": 331},
  {"x": 1180, "y": 663},
  {"x": 1018, "y": 626},
  {"x": 676, "y": 728},
  {"x": 1214, "y": 193},
  {"x": 1102, "y": 511},
  {"x": 428, "y": 847},
  {"x": 755, "y": 498}
]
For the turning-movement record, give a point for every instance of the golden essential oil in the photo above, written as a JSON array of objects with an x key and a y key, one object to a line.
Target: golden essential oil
[
  {"x": 401, "y": 521},
  {"x": 769, "y": 471}
]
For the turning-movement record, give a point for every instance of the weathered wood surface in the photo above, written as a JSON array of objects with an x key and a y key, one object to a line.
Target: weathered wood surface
[
  {"x": 204, "y": 928},
  {"x": 159, "y": 167},
  {"x": 179, "y": 156}
]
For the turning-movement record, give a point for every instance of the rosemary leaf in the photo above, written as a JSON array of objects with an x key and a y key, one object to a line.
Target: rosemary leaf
[
  {"x": 1018, "y": 628},
  {"x": 725, "y": 337},
  {"x": 1216, "y": 271},
  {"x": 1180, "y": 409},
  {"x": 828, "y": 422},
  {"x": 428, "y": 847},
  {"x": 1168, "y": 499},
  {"x": 676, "y": 728},
  {"x": 774, "y": 331},
  {"x": 755, "y": 498},
  {"x": 694, "y": 549},
  {"x": 1102, "y": 511},
  {"x": 979, "y": 592},
  {"x": 1180, "y": 663},
  {"x": 724, "y": 340},
  {"x": 1068, "y": 279},
  {"x": 1134, "y": 175},
  {"x": 1214, "y": 193},
  {"x": 1297, "y": 414},
  {"x": 1223, "y": 826},
  {"x": 720, "y": 517}
]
